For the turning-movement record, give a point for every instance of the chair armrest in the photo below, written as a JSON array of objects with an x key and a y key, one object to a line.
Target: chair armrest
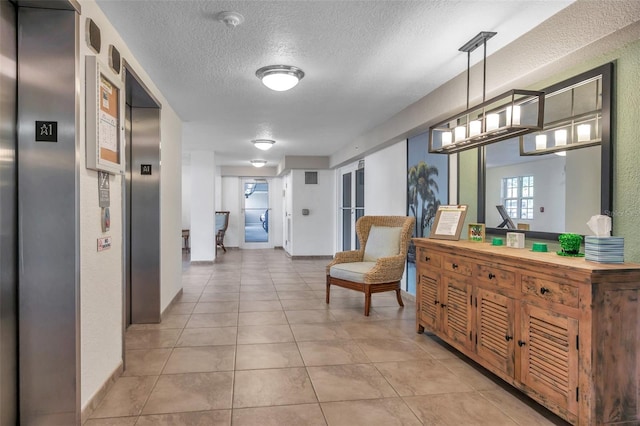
[
  {"x": 345, "y": 257},
  {"x": 386, "y": 269}
]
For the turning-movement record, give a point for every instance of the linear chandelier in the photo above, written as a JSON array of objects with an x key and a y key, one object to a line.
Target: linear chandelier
[{"x": 513, "y": 113}]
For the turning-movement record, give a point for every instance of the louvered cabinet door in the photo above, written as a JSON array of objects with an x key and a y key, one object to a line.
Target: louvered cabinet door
[
  {"x": 495, "y": 330},
  {"x": 549, "y": 355},
  {"x": 457, "y": 311},
  {"x": 429, "y": 294}
]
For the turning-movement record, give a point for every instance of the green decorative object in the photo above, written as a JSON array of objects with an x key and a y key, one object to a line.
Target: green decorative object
[{"x": 570, "y": 244}]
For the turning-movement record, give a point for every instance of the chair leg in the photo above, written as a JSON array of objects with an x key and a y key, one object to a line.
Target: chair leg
[
  {"x": 367, "y": 300},
  {"x": 224, "y": 248},
  {"x": 328, "y": 289},
  {"x": 399, "y": 297}
]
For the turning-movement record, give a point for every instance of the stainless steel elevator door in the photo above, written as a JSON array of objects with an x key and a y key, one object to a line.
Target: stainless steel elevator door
[{"x": 8, "y": 219}]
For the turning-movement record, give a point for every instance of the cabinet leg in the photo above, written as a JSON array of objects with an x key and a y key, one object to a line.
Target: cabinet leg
[{"x": 419, "y": 329}]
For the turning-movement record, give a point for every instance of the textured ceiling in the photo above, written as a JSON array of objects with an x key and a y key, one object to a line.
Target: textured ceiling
[{"x": 364, "y": 62}]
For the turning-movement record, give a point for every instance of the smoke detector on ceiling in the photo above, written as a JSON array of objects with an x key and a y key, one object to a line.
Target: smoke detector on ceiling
[{"x": 230, "y": 19}]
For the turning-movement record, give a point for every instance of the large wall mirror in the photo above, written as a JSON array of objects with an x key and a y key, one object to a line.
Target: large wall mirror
[{"x": 553, "y": 181}]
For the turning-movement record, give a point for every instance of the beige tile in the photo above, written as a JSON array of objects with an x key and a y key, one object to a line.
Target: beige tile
[
  {"x": 259, "y": 388},
  {"x": 379, "y": 350},
  {"x": 421, "y": 377},
  {"x": 259, "y": 296},
  {"x": 208, "y": 336},
  {"x": 434, "y": 346},
  {"x": 371, "y": 330},
  {"x": 304, "y": 304},
  {"x": 309, "y": 317},
  {"x": 476, "y": 377},
  {"x": 260, "y": 305},
  {"x": 113, "y": 421},
  {"x": 215, "y": 307},
  {"x": 354, "y": 314},
  {"x": 222, "y": 288},
  {"x": 145, "y": 362},
  {"x": 168, "y": 322},
  {"x": 332, "y": 352},
  {"x": 289, "y": 415},
  {"x": 149, "y": 339},
  {"x": 219, "y": 297},
  {"x": 200, "y": 418},
  {"x": 264, "y": 334},
  {"x": 454, "y": 409},
  {"x": 299, "y": 286},
  {"x": 297, "y": 295},
  {"x": 126, "y": 397},
  {"x": 349, "y": 382},
  {"x": 396, "y": 312},
  {"x": 262, "y": 318},
  {"x": 273, "y": 355},
  {"x": 247, "y": 288},
  {"x": 314, "y": 332},
  {"x": 190, "y": 392},
  {"x": 200, "y": 359},
  {"x": 213, "y": 320},
  {"x": 181, "y": 309},
  {"x": 522, "y": 409},
  {"x": 373, "y": 412}
]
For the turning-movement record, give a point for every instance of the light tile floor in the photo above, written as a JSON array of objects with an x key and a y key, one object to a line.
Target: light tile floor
[{"x": 252, "y": 342}]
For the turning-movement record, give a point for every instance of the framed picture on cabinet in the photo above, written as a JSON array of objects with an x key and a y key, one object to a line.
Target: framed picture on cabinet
[{"x": 476, "y": 232}]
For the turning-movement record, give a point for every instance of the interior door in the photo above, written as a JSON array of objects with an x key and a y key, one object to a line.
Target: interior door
[
  {"x": 256, "y": 214},
  {"x": 351, "y": 205}
]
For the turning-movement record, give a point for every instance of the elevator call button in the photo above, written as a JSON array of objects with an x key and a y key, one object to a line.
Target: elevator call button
[
  {"x": 46, "y": 131},
  {"x": 145, "y": 169}
]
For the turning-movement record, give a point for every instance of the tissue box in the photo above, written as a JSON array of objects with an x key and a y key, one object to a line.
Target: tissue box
[
  {"x": 604, "y": 249},
  {"x": 515, "y": 239}
]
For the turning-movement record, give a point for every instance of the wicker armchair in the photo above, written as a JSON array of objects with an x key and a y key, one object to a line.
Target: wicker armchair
[
  {"x": 362, "y": 270},
  {"x": 221, "y": 224}
]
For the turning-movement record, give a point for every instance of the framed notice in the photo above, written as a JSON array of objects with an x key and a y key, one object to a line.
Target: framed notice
[
  {"x": 448, "y": 222},
  {"x": 104, "y": 118}
]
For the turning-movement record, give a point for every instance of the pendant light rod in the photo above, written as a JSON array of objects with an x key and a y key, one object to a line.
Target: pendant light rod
[{"x": 470, "y": 46}]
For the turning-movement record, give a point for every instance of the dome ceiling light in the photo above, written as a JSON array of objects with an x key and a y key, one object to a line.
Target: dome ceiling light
[
  {"x": 280, "y": 77},
  {"x": 230, "y": 19},
  {"x": 263, "y": 144},
  {"x": 258, "y": 163}
]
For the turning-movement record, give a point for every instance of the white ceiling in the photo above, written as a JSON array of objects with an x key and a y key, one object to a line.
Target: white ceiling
[{"x": 364, "y": 62}]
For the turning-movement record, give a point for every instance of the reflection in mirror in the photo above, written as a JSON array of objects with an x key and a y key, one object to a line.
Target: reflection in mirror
[
  {"x": 551, "y": 189},
  {"x": 549, "y": 193}
]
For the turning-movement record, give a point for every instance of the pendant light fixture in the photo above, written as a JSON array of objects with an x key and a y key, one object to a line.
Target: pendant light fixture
[
  {"x": 263, "y": 144},
  {"x": 514, "y": 113},
  {"x": 280, "y": 77}
]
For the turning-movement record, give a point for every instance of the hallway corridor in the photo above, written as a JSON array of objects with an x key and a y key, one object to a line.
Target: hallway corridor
[{"x": 252, "y": 342}]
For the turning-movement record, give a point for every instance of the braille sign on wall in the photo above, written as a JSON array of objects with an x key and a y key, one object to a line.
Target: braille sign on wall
[
  {"x": 145, "y": 169},
  {"x": 46, "y": 131}
]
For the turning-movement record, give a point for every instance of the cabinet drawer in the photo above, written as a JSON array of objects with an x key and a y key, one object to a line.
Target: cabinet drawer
[
  {"x": 495, "y": 275},
  {"x": 458, "y": 265},
  {"x": 552, "y": 291},
  {"x": 429, "y": 258}
]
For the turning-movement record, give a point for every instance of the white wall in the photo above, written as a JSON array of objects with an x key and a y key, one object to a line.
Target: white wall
[
  {"x": 186, "y": 196},
  {"x": 549, "y": 189},
  {"x": 202, "y": 232},
  {"x": 385, "y": 181},
  {"x": 288, "y": 209},
  {"x": 232, "y": 200},
  {"x": 313, "y": 235},
  {"x": 101, "y": 274}
]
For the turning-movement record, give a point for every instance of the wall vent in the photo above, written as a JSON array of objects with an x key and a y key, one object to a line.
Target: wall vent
[
  {"x": 93, "y": 36},
  {"x": 311, "y": 178}
]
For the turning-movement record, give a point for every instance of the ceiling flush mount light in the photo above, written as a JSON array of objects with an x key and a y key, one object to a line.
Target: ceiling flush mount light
[
  {"x": 230, "y": 19},
  {"x": 514, "y": 113},
  {"x": 263, "y": 144},
  {"x": 258, "y": 163},
  {"x": 280, "y": 77}
]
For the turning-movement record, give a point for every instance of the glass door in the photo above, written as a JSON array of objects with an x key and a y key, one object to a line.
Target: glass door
[
  {"x": 351, "y": 205},
  {"x": 256, "y": 213}
]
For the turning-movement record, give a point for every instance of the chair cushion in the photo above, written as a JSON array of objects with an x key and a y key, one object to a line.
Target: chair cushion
[
  {"x": 353, "y": 271},
  {"x": 383, "y": 241},
  {"x": 220, "y": 219}
]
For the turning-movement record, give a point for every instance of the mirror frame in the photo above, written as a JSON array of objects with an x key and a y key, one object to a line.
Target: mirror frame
[{"x": 606, "y": 171}]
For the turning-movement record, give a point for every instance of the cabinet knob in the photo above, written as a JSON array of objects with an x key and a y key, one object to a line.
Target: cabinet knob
[
  {"x": 427, "y": 258},
  {"x": 521, "y": 343},
  {"x": 436, "y": 302},
  {"x": 442, "y": 305},
  {"x": 544, "y": 290},
  {"x": 491, "y": 276},
  {"x": 454, "y": 265},
  {"x": 507, "y": 337}
]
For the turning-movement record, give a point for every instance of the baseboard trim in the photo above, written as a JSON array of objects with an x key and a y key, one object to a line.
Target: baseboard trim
[
  {"x": 202, "y": 262},
  {"x": 97, "y": 398}
]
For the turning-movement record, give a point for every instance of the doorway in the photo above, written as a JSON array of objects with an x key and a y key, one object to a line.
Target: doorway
[
  {"x": 256, "y": 213},
  {"x": 141, "y": 203},
  {"x": 351, "y": 205}
]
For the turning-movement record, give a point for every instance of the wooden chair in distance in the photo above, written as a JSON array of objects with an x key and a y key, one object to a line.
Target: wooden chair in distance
[
  {"x": 222, "y": 222},
  {"x": 379, "y": 263}
]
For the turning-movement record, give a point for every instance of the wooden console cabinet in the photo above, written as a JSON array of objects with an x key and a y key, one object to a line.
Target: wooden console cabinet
[{"x": 563, "y": 330}]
